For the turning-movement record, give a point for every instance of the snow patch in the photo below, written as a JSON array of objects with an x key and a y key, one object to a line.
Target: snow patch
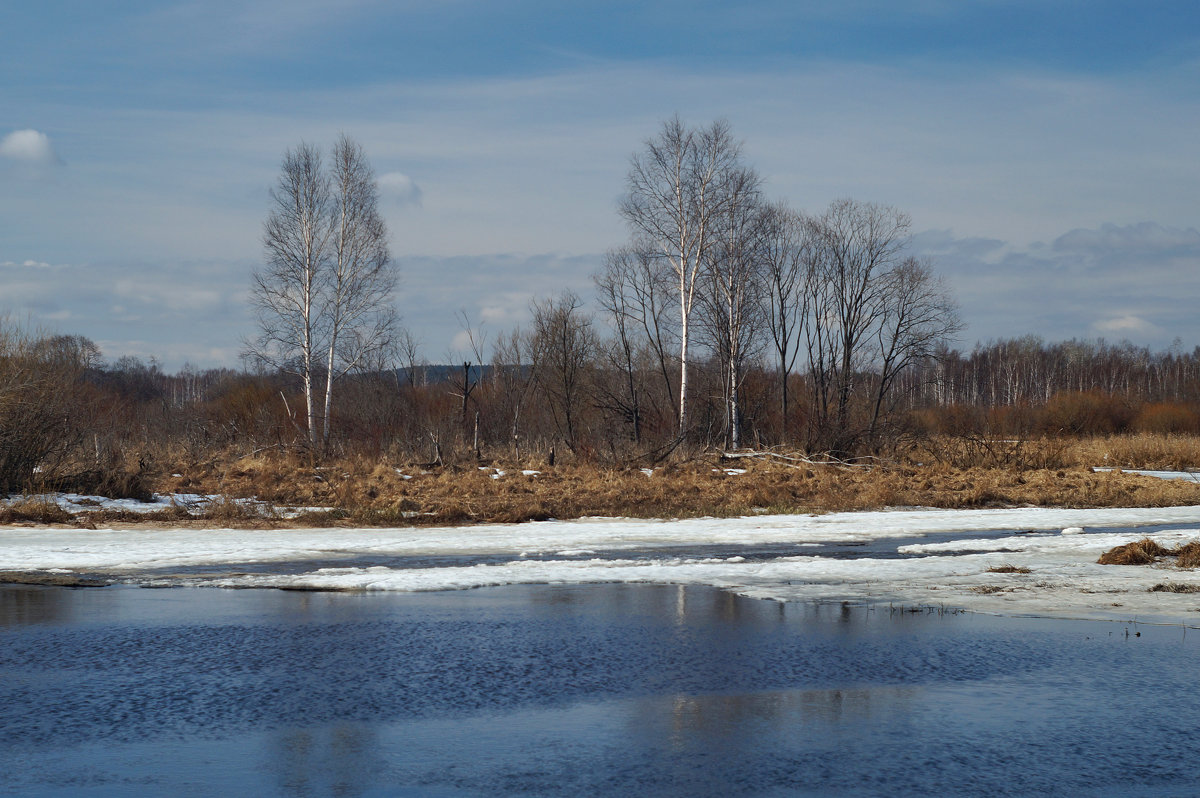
[{"x": 1193, "y": 476}]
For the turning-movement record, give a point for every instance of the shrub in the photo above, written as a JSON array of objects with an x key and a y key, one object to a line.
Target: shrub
[
  {"x": 39, "y": 412},
  {"x": 1167, "y": 417},
  {"x": 1086, "y": 413}
]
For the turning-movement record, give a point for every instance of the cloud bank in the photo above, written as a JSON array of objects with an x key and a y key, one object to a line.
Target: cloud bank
[{"x": 1114, "y": 281}]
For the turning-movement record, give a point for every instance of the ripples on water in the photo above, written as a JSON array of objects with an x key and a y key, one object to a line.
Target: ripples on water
[{"x": 610, "y": 689}]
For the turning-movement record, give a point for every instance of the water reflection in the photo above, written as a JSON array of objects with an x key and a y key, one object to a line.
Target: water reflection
[
  {"x": 732, "y": 717},
  {"x": 605, "y": 690},
  {"x": 21, "y": 605},
  {"x": 342, "y": 760}
]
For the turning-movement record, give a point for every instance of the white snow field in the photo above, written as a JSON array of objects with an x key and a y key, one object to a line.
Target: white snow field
[{"x": 903, "y": 558}]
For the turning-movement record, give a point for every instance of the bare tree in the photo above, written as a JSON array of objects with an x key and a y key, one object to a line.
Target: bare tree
[
  {"x": 289, "y": 293},
  {"x": 676, "y": 188},
  {"x": 918, "y": 316},
  {"x": 512, "y": 371},
  {"x": 857, "y": 246},
  {"x": 563, "y": 348},
  {"x": 733, "y": 284},
  {"x": 613, "y": 286},
  {"x": 40, "y": 404},
  {"x": 323, "y": 300},
  {"x": 873, "y": 313},
  {"x": 787, "y": 252},
  {"x": 361, "y": 316},
  {"x": 636, "y": 294}
]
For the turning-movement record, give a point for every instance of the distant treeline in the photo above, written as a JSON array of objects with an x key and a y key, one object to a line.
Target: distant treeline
[{"x": 63, "y": 411}]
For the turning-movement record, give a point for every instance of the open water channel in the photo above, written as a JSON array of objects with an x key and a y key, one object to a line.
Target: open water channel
[{"x": 579, "y": 690}]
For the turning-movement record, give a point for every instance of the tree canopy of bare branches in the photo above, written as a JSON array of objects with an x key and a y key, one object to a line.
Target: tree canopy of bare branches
[
  {"x": 676, "y": 188},
  {"x": 324, "y": 297},
  {"x": 731, "y": 303},
  {"x": 872, "y": 313}
]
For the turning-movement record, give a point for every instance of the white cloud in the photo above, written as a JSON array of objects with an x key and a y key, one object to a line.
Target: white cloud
[
  {"x": 31, "y": 146},
  {"x": 1128, "y": 326},
  {"x": 400, "y": 187},
  {"x": 461, "y": 342}
]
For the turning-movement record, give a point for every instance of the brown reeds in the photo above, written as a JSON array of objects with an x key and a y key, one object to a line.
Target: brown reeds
[
  {"x": 362, "y": 491},
  {"x": 1139, "y": 552},
  {"x": 371, "y": 492},
  {"x": 1146, "y": 552},
  {"x": 33, "y": 511},
  {"x": 1188, "y": 555},
  {"x": 1174, "y": 587}
]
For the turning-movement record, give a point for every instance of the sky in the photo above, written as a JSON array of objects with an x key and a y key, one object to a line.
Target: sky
[{"x": 1046, "y": 150}]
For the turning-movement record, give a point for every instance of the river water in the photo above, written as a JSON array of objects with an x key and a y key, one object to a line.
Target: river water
[{"x": 579, "y": 690}]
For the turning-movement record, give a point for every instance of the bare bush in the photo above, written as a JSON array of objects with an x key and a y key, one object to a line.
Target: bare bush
[{"x": 39, "y": 414}]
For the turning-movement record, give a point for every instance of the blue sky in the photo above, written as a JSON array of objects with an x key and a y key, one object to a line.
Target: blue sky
[{"x": 1045, "y": 150}]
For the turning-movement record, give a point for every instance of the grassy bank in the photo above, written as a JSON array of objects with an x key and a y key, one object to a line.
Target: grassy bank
[{"x": 948, "y": 473}]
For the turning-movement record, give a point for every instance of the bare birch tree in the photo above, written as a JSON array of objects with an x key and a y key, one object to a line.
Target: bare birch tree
[
  {"x": 361, "y": 316},
  {"x": 733, "y": 282},
  {"x": 676, "y": 189},
  {"x": 289, "y": 293},
  {"x": 323, "y": 300}
]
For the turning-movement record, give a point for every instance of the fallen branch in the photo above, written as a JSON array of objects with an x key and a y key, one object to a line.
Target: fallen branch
[{"x": 804, "y": 460}]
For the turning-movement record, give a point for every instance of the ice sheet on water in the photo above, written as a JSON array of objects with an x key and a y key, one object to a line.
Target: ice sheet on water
[{"x": 951, "y": 568}]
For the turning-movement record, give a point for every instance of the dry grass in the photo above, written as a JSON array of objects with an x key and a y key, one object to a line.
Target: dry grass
[
  {"x": 1174, "y": 587},
  {"x": 366, "y": 492},
  {"x": 1170, "y": 452},
  {"x": 34, "y": 511},
  {"x": 1009, "y": 569},
  {"x": 1147, "y": 451},
  {"x": 978, "y": 451},
  {"x": 1146, "y": 552},
  {"x": 1140, "y": 552},
  {"x": 1188, "y": 555},
  {"x": 377, "y": 492}
]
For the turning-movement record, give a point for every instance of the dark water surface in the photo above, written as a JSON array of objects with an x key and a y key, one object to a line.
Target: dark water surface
[{"x": 587, "y": 690}]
